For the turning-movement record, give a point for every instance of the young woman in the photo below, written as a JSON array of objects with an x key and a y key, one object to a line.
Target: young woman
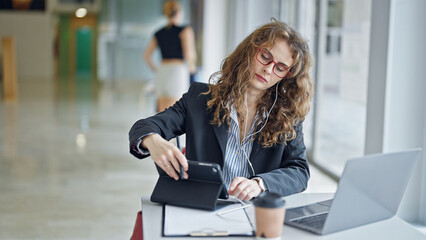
[
  {"x": 248, "y": 119},
  {"x": 177, "y": 47}
]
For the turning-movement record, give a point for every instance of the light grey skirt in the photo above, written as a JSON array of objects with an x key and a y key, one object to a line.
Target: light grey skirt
[{"x": 172, "y": 80}]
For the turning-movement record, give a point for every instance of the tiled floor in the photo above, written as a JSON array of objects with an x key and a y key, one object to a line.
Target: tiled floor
[{"x": 65, "y": 170}]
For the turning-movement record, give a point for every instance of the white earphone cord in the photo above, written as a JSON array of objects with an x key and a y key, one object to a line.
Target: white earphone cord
[{"x": 245, "y": 127}]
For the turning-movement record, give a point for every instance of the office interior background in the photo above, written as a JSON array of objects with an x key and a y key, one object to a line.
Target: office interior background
[{"x": 65, "y": 170}]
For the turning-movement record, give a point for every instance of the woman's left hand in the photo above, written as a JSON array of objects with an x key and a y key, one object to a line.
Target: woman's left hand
[{"x": 244, "y": 189}]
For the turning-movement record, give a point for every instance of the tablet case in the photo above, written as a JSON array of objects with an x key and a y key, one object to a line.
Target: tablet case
[{"x": 201, "y": 190}]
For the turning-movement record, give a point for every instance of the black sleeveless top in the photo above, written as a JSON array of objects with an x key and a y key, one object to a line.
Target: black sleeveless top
[{"x": 169, "y": 42}]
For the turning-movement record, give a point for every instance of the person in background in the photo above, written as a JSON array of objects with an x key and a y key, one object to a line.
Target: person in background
[
  {"x": 248, "y": 119},
  {"x": 177, "y": 47}
]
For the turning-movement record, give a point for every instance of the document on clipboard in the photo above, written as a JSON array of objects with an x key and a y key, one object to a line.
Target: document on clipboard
[{"x": 180, "y": 221}]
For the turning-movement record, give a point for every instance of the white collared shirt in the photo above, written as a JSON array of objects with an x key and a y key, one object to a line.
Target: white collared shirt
[{"x": 237, "y": 154}]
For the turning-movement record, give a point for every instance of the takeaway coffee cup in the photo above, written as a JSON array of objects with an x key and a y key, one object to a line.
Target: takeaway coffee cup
[{"x": 270, "y": 212}]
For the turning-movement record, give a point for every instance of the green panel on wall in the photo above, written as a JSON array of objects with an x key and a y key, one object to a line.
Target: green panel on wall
[{"x": 83, "y": 50}]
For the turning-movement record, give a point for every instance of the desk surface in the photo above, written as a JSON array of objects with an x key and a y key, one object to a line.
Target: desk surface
[{"x": 393, "y": 228}]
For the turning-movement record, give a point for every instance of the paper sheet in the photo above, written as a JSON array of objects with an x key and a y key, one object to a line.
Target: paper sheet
[{"x": 179, "y": 221}]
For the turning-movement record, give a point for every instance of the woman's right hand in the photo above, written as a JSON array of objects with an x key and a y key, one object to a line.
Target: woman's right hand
[{"x": 166, "y": 155}]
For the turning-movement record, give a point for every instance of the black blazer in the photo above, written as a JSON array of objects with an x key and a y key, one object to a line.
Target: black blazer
[{"x": 283, "y": 168}]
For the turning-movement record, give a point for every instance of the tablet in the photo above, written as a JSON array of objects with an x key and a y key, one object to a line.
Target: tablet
[{"x": 202, "y": 171}]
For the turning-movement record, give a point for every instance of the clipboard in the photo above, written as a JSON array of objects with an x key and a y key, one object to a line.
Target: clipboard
[
  {"x": 185, "y": 222},
  {"x": 201, "y": 190}
]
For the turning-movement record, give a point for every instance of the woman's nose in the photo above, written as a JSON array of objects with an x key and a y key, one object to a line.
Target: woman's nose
[{"x": 269, "y": 68}]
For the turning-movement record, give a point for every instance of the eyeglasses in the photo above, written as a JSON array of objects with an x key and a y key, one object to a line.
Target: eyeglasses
[{"x": 265, "y": 58}]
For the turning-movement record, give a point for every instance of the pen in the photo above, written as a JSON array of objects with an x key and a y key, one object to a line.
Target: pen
[
  {"x": 180, "y": 165},
  {"x": 231, "y": 210},
  {"x": 180, "y": 171},
  {"x": 205, "y": 234}
]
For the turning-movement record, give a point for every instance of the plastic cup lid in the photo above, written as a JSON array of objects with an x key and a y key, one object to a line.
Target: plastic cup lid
[{"x": 269, "y": 200}]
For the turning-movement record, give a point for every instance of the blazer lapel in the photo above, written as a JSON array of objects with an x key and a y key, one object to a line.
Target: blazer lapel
[{"x": 222, "y": 136}]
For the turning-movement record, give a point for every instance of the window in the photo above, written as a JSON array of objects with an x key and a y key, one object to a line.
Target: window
[{"x": 341, "y": 84}]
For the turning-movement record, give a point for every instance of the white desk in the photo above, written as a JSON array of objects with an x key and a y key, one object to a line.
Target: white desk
[{"x": 390, "y": 229}]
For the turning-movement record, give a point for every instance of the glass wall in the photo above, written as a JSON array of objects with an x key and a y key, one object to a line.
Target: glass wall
[
  {"x": 341, "y": 83},
  {"x": 125, "y": 28}
]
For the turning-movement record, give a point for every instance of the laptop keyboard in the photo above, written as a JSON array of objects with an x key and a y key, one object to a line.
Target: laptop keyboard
[
  {"x": 326, "y": 203},
  {"x": 315, "y": 221}
]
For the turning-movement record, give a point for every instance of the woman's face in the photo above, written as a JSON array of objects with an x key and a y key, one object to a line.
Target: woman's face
[{"x": 271, "y": 65}]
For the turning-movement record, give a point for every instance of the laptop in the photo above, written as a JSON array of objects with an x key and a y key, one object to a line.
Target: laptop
[{"x": 370, "y": 189}]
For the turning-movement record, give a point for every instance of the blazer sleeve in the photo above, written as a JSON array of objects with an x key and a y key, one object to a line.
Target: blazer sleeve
[
  {"x": 293, "y": 174},
  {"x": 168, "y": 124}
]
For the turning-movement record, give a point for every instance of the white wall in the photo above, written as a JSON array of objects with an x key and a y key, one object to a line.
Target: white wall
[
  {"x": 405, "y": 119},
  {"x": 247, "y": 15},
  {"x": 33, "y": 32},
  {"x": 214, "y": 36}
]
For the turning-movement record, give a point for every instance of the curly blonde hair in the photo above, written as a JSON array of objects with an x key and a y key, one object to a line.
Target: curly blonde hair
[{"x": 228, "y": 86}]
